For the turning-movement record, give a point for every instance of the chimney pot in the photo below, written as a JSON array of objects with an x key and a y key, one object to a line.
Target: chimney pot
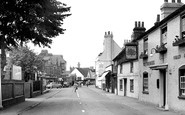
[
  {"x": 173, "y": 1},
  {"x": 143, "y": 24},
  {"x": 108, "y": 32},
  {"x": 135, "y": 23},
  {"x": 139, "y": 24},
  {"x": 165, "y": 0},
  {"x": 178, "y": 1},
  {"x": 158, "y": 18}
]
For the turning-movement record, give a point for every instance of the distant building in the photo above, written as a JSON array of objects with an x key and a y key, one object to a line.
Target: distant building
[
  {"x": 83, "y": 75},
  {"x": 54, "y": 66},
  {"x": 104, "y": 59}
]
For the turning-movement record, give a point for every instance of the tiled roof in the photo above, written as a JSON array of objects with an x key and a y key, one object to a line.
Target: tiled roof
[{"x": 83, "y": 71}]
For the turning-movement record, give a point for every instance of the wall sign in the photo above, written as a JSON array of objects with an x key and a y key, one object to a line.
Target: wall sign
[
  {"x": 131, "y": 51},
  {"x": 149, "y": 63},
  {"x": 177, "y": 57}
]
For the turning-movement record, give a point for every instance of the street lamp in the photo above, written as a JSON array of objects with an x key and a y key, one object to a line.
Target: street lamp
[{"x": 1, "y": 106}]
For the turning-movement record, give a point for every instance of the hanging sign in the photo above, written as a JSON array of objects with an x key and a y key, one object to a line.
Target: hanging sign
[{"x": 131, "y": 51}]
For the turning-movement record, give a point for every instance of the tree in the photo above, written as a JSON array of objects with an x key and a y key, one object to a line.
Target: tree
[
  {"x": 27, "y": 59},
  {"x": 36, "y": 21}
]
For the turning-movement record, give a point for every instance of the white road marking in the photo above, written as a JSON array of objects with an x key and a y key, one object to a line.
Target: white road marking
[
  {"x": 77, "y": 94},
  {"x": 83, "y": 111}
]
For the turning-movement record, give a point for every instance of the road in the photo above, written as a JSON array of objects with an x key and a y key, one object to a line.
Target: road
[{"x": 83, "y": 102}]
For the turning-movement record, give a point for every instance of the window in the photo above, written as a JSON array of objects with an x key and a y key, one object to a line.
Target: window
[
  {"x": 182, "y": 81},
  {"x": 131, "y": 67},
  {"x": 145, "y": 46},
  {"x": 79, "y": 78},
  {"x": 121, "y": 84},
  {"x": 145, "y": 82},
  {"x": 131, "y": 85},
  {"x": 164, "y": 35},
  {"x": 121, "y": 67},
  {"x": 183, "y": 26}
]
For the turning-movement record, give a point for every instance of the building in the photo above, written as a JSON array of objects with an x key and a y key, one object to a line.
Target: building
[
  {"x": 104, "y": 59},
  {"x": 127, "y": 65},
  {"x": 84, "y": 75},
  {"x": 162, "y": 59},
  {"x": 54, "y": 66}
]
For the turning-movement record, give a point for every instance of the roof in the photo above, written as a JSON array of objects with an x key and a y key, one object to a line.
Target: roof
[
  {"x": 169, "y": 17},
  {"x": 83, "y": 71}
]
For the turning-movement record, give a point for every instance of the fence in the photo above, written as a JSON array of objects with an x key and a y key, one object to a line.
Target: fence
[{"x": 12, "y": 92}]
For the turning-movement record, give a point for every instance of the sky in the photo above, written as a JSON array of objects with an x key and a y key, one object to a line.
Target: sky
[{"x": 85, "y": 28}]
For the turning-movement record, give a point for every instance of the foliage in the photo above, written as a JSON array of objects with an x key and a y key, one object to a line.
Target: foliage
[
  {"x": 27, "y": 59},
  {"x": 35, "y": 21}
]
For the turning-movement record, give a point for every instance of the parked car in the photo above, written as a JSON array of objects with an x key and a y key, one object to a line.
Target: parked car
[
  {"x": 53, "y": 85},
  {"x": 66, "y": 84}
]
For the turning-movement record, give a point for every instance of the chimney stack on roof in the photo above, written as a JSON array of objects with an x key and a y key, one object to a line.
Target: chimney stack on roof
[
  {"x": 138, "y": 30},
  {"x": 167, "y": 7}
]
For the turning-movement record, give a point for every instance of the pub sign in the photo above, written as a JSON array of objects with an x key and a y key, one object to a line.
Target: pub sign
[{"x": 131, "y": 51}]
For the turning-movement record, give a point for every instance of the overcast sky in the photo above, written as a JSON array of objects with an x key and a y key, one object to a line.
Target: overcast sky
[{"x": 90, "y": 19}]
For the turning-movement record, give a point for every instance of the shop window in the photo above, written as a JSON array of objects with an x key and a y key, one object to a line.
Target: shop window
[
  {"x": 131, "y": 85},
  {"x": 131, "y": 67},
  {"x": 121, "y": 84},
  {"x": 182, "y": 82},
  {"x": 145, "y": 83}
]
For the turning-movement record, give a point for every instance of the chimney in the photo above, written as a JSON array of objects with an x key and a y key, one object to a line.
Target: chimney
[
  {"x": 138, "y": 30},
  {"x": 167, "y": 7},
  {"x": 157, "y": 20},
  {"x": 78, "y": 65}
]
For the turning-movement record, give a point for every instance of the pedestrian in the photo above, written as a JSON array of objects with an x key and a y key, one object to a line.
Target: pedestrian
[{"x": 76, "y": 86}]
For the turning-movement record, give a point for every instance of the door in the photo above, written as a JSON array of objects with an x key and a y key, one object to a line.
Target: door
[
  {"x": 163, "y": 88},
  {"x": 125, "y": 87}
]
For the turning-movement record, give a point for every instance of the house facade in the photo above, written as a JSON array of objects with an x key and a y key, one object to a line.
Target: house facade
[
  {"x": 54, "y": 66},
  {"x": 104, "y": 59},
  {"x": 128, "y": 65},
  {"x": 162, "y": 59}
]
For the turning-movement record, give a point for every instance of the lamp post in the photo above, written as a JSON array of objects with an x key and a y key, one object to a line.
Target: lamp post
[{"x": 1, "y": 106}]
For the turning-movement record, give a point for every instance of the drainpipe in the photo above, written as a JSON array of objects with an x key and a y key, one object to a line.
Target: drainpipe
[
  {"x": 1, "y": 106},
  {"x": 166, "y": 104}
]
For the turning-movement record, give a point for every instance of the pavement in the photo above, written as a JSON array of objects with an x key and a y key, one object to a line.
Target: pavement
[
  {"x": 135, "y": 104},
  {"x": 130, "y": 102},
  {"x": 29, "y": 103}
]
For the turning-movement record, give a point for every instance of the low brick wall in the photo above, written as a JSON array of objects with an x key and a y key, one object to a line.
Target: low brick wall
[{"x": 12, "y": 92}]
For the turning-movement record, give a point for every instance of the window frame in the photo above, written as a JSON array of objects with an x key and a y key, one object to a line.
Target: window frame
[
  {"x": 121, "y": 68},
  {"x": 182, "y": 35},
  {"x": 164, "y": 31},
  {"x": 145, "y": 84},
  {"x": 132, "y": 85},
  {"x": 145, "y": 46},
  {"x": 182, "y": 90},
  {"x": 131, "y": 67},
  {"x": 121, "y": 84}
]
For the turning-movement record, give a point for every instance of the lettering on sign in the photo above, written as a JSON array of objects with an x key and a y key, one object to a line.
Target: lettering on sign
[
  {"x": 149, "y": 63},
  {"x": 177, "y": 57}
]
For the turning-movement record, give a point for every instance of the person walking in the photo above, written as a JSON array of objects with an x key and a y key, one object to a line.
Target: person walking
[{"x": 76, "y": 86}]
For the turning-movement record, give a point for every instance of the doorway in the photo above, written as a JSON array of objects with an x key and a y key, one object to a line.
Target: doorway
[
  {"x": 163, "y": 88},
  {"x": 125, "y": 87}
]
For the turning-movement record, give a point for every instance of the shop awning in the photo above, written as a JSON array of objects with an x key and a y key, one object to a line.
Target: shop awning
[
  {"x": 102, "y": 78},
  {"x": 159, "y": 67}
]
